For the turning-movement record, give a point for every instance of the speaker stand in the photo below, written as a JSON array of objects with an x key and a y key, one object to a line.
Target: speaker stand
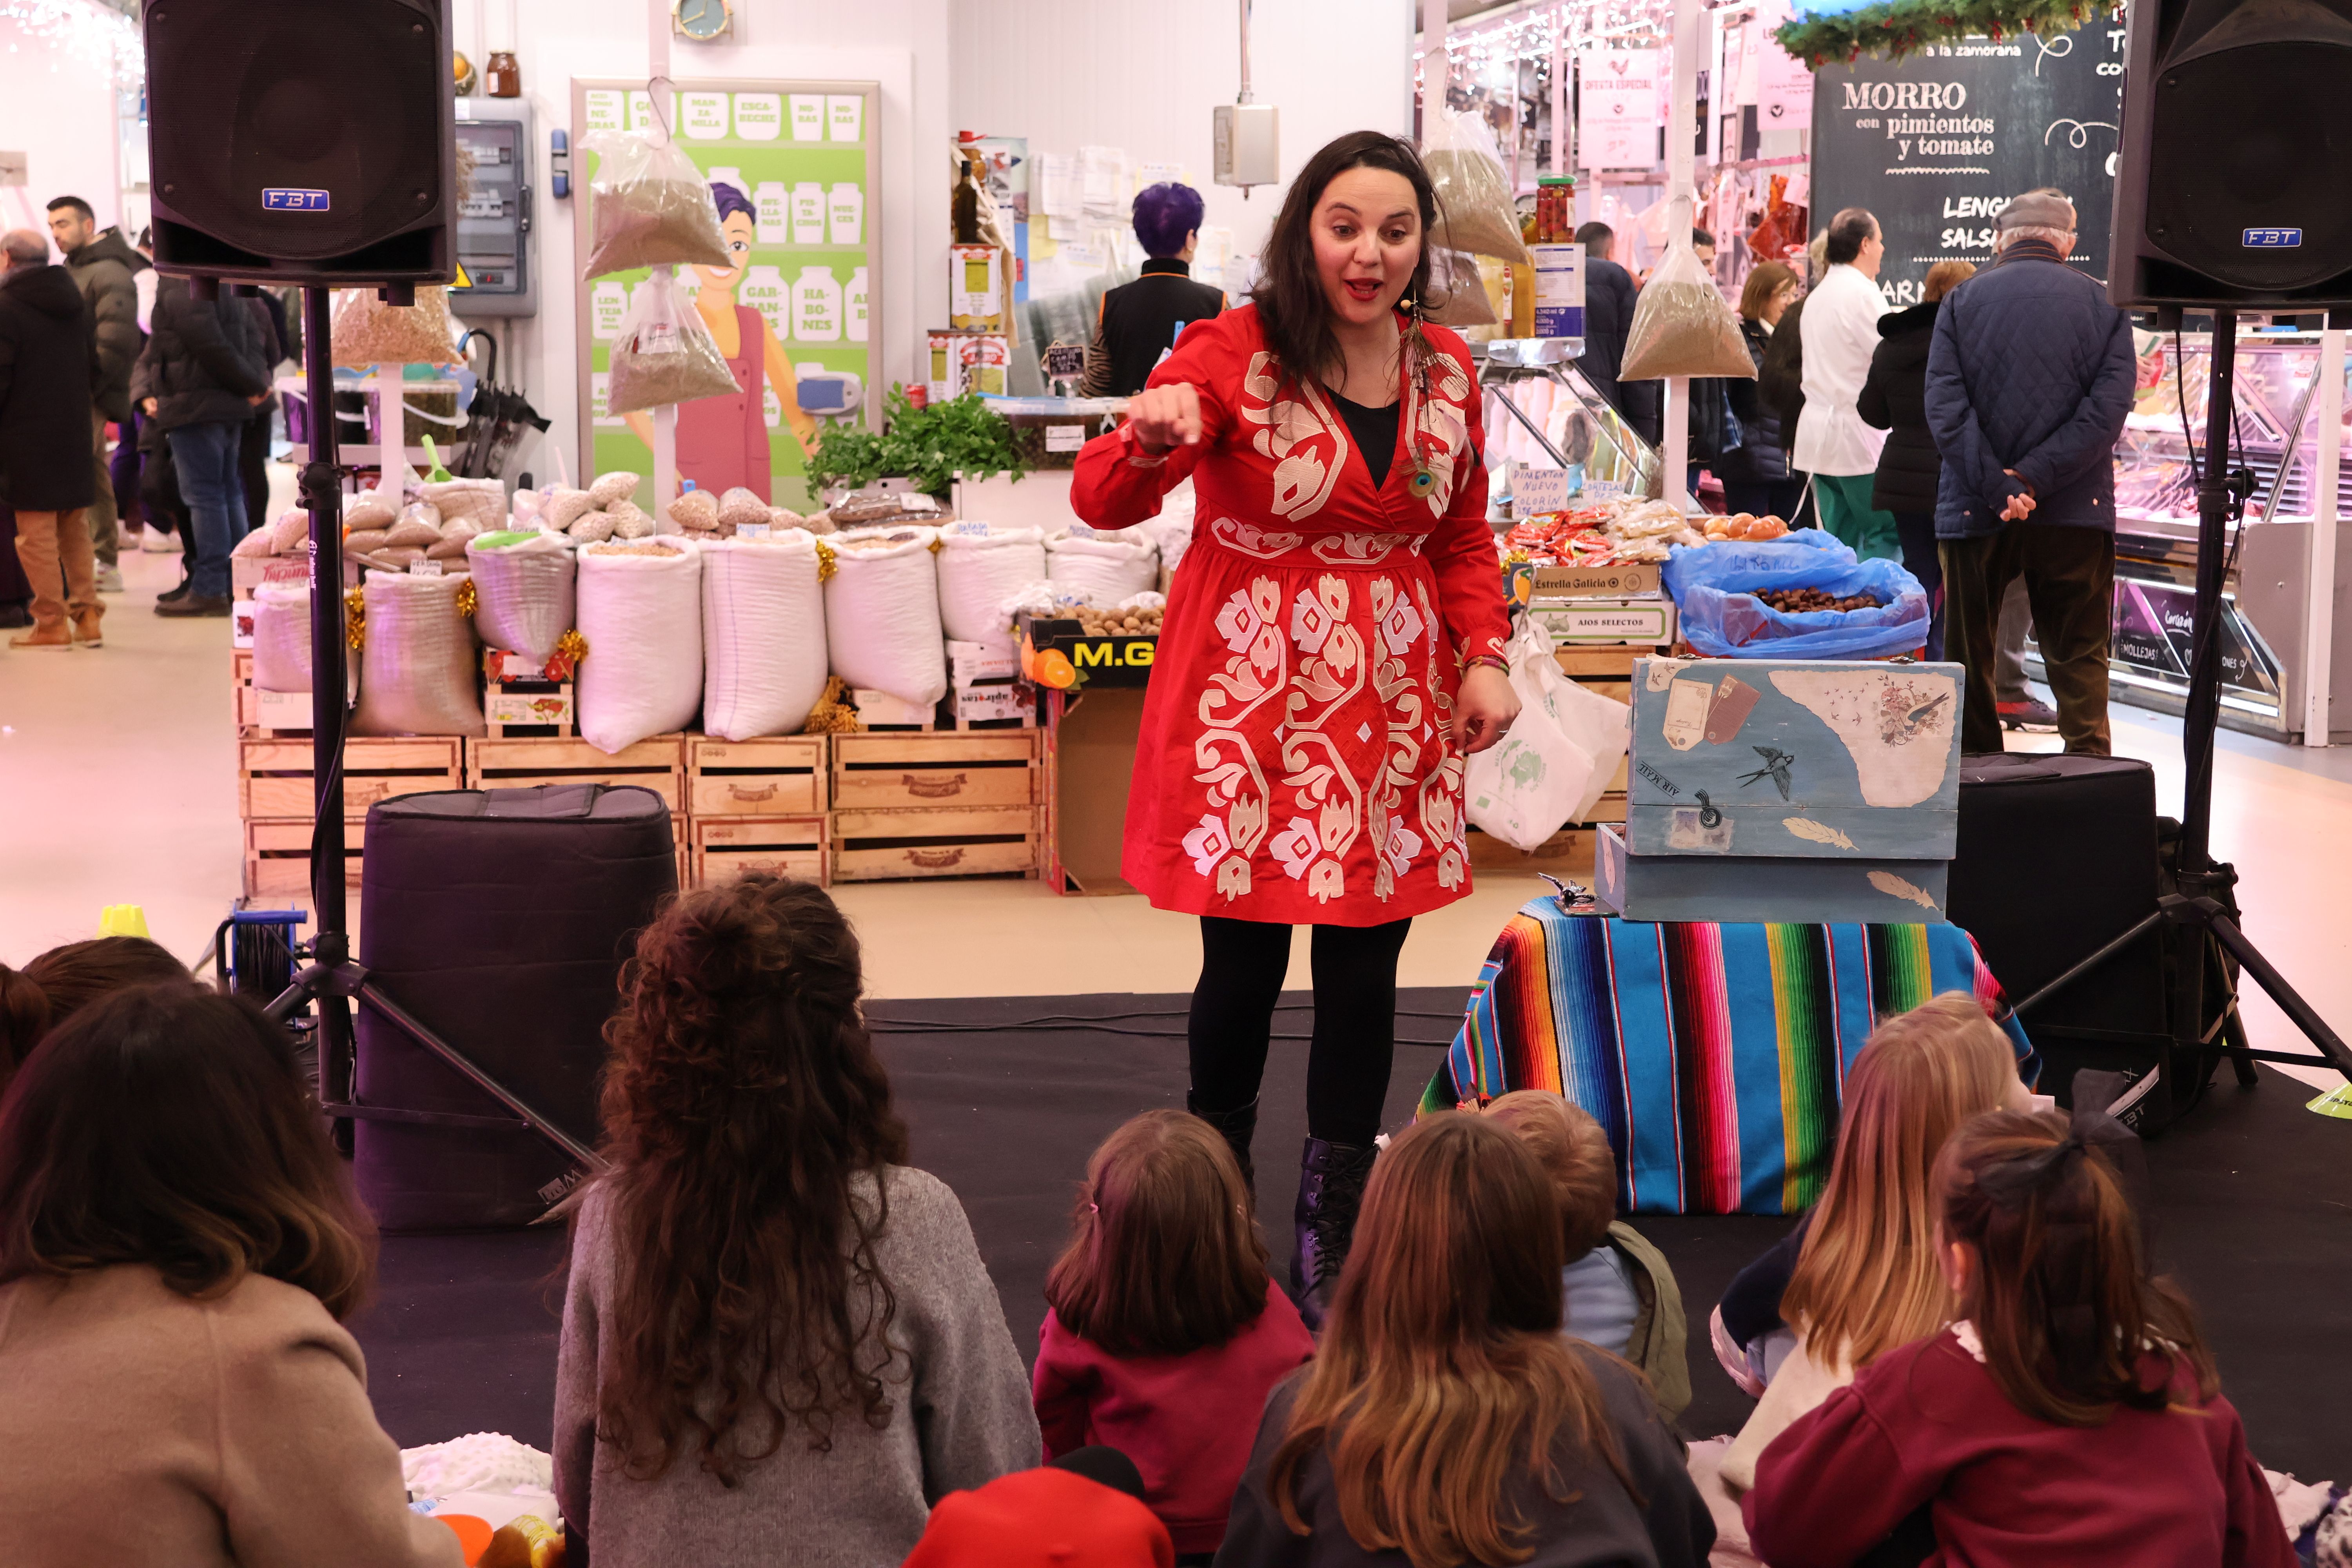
[
  {"x": 2203, "y": 911},
  {"x": 331, "y": 979}
]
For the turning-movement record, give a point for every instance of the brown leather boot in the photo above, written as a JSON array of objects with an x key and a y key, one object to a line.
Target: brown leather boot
[
  {"x": 85, "y": 630},
  {"x": 53, "y": 635}
]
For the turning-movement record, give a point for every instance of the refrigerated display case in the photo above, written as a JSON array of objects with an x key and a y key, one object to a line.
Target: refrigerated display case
[
  {"x": 1541, "y": 413},
  {"x": 2276, "y": 435}
]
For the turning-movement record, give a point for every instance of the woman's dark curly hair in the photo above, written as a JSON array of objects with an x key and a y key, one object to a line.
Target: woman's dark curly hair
[{"x": 747, "y": 1120}]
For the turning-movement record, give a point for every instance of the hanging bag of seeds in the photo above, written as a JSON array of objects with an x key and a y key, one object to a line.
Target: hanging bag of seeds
[
  {"x": 1683, "y": 326},
  {"x": 663, "y": 352},
  {"x": 1474, "y": 209},
  {"x": 649, "y": 206}
]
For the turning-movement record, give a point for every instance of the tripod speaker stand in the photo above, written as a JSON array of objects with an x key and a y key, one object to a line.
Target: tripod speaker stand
[{"x": 2202, "y": 912}]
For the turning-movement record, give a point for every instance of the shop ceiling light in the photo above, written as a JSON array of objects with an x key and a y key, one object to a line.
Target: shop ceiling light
[{"x": 97, "y": 35}]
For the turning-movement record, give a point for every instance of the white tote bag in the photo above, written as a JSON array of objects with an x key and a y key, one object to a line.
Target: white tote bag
[
  {"x": 764, "y": 656},
  {"x": 641, "y": 615},
  {"x": 1558, "y": 758}
]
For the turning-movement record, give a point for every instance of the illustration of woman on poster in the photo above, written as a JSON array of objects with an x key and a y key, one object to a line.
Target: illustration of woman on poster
[{"x": 722, "y": 442}]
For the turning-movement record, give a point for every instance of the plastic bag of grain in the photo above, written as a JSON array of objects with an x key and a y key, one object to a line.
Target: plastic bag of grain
[
  {"x": 664, "y": 353},
  {"x": 416, "y": 661},
  {"x": 739, "y": 506},
  {"x": 763, "y": 649},
  {"x": 882, "y": 614},
  {"x": 695, "y": 511},
  {"x": 648, "y": 204},
  {"x": 524, "y": 596},
  {"x": 281, "y": 636},
  {"x": 1683, "y": 325},
  {"x": 366, "y": 331},
  {"x": 978, "y": 566},
  {"x": 1475, "y": 211},
  {"x": 639, "y": 607},
  {"x": 1110, "y": 566},
  {"x": 483, "y": 502}
]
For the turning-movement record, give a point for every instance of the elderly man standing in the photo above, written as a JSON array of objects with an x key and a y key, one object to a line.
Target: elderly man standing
[
  {"x": 1838, "y": 333},
  {"x": 2028, "y": 379},
  {"x": 47, "y": 370},
  {"x": 105, "y": 270}
]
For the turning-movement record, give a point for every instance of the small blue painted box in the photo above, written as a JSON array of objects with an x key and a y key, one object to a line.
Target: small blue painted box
[{"x": 1768, "y": 764}]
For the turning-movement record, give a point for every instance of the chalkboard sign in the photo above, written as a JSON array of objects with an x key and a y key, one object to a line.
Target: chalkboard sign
[{"x": 1936, "y": 143}]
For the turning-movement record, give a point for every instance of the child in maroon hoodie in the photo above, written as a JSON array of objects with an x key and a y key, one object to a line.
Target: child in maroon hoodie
[
  {"x": 1165, "y": 1333},
  {"x": 2072, "y": 1416}
]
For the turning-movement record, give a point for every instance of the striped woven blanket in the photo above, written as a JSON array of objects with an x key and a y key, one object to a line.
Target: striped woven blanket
[{"x": 1715, "y": 1055}]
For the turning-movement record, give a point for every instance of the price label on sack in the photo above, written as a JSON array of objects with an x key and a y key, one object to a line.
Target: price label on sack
[
  {"x": 753, "y": 530},
  {"x": 424, "y": 568},
  {"x": 1065, "y": 437}
]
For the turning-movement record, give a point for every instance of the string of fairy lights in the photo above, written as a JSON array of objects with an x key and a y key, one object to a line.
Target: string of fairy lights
[
  {"x": 1494, "y": 51},
  {"x": 95, "y": 36}
]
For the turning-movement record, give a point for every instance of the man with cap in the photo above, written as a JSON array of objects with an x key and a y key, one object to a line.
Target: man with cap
[{"x": 2029, "y": 378}]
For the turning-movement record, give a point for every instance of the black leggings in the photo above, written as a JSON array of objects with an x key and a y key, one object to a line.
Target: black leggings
[{"x": 1242, "y": 966}]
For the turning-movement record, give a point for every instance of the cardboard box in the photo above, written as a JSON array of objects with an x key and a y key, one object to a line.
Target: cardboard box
[
  {"x": 1059, "y": 654},
  {"x": 1626, "y": 580},
  {"x": 1578, "y": 621},
  {"x": 998, "y": 702},
  {"x": 971, "y": 662},
  {"x": 977, "y": 299},
  {"x": 1865, "y": 891},
  {"x": 879, "y": 709}
]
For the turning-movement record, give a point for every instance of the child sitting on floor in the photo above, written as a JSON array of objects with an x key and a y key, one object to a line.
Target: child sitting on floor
[
  {"x": 2071, "y": 1415},
  {"x": 1621, "y": 1293},
  {"x": 1163, "y": 1331}
]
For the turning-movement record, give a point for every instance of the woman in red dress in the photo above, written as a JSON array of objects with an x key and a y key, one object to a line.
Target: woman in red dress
[{"x": 1331, "y": 652}]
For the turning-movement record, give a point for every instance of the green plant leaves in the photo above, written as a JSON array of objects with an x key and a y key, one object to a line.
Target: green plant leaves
[{"x": 931, "y": 445}]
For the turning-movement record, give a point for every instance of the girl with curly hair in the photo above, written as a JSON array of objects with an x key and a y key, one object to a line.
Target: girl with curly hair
[{"x": 778, "y": 1339}]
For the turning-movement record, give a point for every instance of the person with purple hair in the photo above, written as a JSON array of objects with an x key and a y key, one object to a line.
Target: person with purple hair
[
  {"x": 1139, "y": 322},
  {"x": 722, "y": 442}
]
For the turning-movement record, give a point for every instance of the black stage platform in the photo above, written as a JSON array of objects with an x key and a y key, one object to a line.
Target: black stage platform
[{"x": 2254, "y": 1195}]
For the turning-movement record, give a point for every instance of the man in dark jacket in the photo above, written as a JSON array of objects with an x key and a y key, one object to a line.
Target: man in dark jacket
[
  {"x": 105, "y": 269},
  {"x": 1609, "y": 293},
  {"x": 207, "y": 374},
  {"x": 47, "y": 359},
  {"x": 2030, "y": 376},
  {"x": 1139, "y": 322}
]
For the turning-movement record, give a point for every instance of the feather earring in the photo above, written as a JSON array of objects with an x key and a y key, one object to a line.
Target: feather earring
[{"x": 1418, "y": 353}]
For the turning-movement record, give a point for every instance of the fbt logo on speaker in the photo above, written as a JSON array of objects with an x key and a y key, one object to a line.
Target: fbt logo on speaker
[
  {"x": 2272, "y": 238},
  {"x": 278, "y": 198}
]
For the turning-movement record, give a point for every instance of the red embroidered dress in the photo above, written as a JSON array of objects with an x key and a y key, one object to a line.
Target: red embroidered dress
[{"x": 1293, "y": 764}]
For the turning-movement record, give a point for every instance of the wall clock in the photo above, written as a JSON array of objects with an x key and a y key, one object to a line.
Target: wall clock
[{"x": 702, "y": 20}]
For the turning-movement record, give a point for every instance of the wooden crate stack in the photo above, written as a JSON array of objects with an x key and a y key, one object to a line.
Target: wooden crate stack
[
  {"x": 934, "y": 803},
  {"x": 757, "y": 805},
  {"x": 276, "y": 799},
  {"x": 658, "y": 764}
]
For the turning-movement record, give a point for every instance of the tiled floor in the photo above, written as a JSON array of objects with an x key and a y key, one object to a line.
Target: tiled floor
[{"x": 117, "y": 785}]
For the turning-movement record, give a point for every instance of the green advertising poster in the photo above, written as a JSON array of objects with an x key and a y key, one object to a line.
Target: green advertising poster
[{"x": 793, "y": 169}]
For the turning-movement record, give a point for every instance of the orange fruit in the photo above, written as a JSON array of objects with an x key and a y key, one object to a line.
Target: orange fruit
[{"x": 1053, "y": 670}]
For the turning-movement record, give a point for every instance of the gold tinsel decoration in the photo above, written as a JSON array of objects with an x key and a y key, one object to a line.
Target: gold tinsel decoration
[
  {"x": 467, "y": 600},
  {"x": 570, "y": 649},
  {"x": 831, "y": 716},
  {"x": 826, "y": 567},
  {"x": 355, "y": 619}
]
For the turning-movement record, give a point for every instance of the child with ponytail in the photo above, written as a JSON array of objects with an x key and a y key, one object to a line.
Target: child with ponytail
[{"x": 2072, "y": 1415}]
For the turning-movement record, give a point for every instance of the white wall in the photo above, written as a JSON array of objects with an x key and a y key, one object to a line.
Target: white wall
[
  {"x": 902, "y": 44},
  {"x": 1144, "y": 75},
  {"x": 57, "y": 109}
]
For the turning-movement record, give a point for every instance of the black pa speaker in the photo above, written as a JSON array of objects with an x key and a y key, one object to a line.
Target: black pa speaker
[
  {"x": 2236, "y": 155},
  {"x": 303, "y": 142}
]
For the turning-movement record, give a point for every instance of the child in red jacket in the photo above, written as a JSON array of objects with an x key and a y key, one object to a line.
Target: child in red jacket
[
  {"x": 1165, "y": 1333},
  {"x": 2072, "y": 1416}
]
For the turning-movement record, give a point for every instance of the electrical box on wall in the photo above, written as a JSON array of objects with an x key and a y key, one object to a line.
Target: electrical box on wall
[
  {"x": 494, "y": 223},
  {"x": 1247, "y": 139}
]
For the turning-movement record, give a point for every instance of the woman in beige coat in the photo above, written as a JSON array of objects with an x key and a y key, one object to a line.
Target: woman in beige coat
[{"x": 177, "y": 1246}]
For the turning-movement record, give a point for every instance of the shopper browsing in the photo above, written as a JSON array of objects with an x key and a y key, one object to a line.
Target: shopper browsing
[
  {"x": 1894, "y": 399},
  {"x": 2029, "y": 380},
  {"x": 1839, "y": 332},
  {"x": 1139, "y": 322},
  {"x": 1163, "y": 1331},
  {"x": 776, "y": 1336},
  {"x": 48, "y": 369},
  {"x": 179, "y": 1248},
  {"x": 1445, "y": 1416},
  {"x": 1332, "y": 651},
  {"x": 1756, "y": 474},
  {"x": 1858, "y": 1276},
  {"x": 105, "y": 269},
  {"x": 2072, "y": 1415},
  {"x": 207, "y": 375},
  {"x": 1609, "y": 293},
  {"x": 1619, "y": 1291}
]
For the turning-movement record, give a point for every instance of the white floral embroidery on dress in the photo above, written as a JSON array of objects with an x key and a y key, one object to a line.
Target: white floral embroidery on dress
[
  {"x": 1249, "y": 539},
  {"x": 1299, "y": 436},
  {"x": 1310, "y": 623},
  {"x": 1402, "y": 625},
  {"x": 1403, "y": 846},
  {"x": 1207, "y": 843},
  {"x": 1238, "y": 622},
  {"x": 1295, "y": 847},
  {"x": 1363, "y": 549}
]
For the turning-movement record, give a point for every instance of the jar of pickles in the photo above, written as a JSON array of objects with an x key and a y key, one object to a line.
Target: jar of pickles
[{"x": 1555, "y": 209}]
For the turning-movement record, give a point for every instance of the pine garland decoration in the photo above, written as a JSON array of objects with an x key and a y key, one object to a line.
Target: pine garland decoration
[{"x": 1894, "y": 28}]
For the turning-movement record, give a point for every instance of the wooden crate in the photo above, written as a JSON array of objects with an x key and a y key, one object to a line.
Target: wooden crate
[
  {"x": 658, "y": 764},
  {"x": 941, "y": 768},
  {"x": 774, "y": 777},
  {"x": 533, "y": 710},
  {"x": 1567, "y": 854},
  {"x": 727, "y": 847},
  {"x": 277, "y": 856},
  {"x": 1606, "y": 661},
  {"x": 274, "y": 778},
  {"x": 261, "y": 714},
  {"x": 939, "y": 841}
]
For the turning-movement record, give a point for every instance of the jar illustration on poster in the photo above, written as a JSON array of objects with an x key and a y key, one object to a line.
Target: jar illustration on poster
[
  {"x": 846, "y": 209},
  {"x": 791, "y": 173}
]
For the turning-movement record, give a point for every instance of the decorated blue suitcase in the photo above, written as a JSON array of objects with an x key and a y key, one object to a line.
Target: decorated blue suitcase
[{"x": 1789, "y": 790}]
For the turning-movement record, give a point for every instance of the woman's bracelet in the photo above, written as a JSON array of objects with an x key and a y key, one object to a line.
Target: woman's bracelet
[{"x": 1494, "y": 660}]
